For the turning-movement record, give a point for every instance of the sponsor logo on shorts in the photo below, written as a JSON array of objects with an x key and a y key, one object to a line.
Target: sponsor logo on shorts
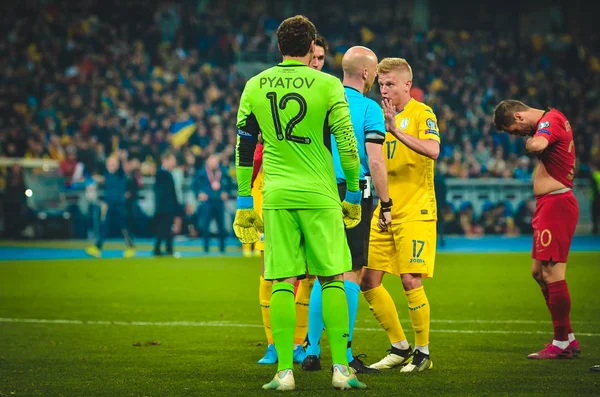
[
  {"x": 417, "y": 260},
  {"x": 423, "y": 212}
]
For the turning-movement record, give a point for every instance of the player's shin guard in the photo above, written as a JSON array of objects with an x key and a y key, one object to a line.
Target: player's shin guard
[
  {"x": 283, "y": 321},
  {"x": 419, "y": 311},
  {"x": 302, "y": 300},
  {"x": 315, "y": 321},
  {"x": 559, "y": 303},
  {"x": 335, "y": 316},
  {"x": 264, "y": 296},
  {"x": 352, "y": 292},
  {"x": 383, "y": 308}
]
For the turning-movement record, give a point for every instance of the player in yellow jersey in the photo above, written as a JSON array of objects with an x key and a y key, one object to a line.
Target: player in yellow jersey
[
  {"x": 304, "y": 287},
  {"x": 407, "y": 248}
]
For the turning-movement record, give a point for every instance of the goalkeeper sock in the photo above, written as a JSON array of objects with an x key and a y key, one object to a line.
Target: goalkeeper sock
[
  {"x": 302, "y": 301},
  {"x": 352, "y": 292},
  {"x": 315, "y": 321},
  {"x": 418, "y": 308},
  {"x": 335, "y": 317},
  {"x": 283, "y": 320},
  {"x": 264, "y": 296},
  {"x": 383, "y": 308}
]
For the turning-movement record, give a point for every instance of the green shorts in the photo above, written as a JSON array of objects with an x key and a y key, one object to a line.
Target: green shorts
[{"x": 297, "y": 240}]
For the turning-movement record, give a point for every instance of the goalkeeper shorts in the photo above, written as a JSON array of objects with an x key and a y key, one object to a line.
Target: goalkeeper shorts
[{"x": 305, "y": 238}]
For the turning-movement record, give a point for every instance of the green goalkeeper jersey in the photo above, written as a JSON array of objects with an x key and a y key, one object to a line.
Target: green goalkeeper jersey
[{"x": 297, "y": 109}]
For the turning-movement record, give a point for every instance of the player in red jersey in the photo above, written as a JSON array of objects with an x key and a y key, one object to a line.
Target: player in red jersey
[{"x": 556, "y": 211}]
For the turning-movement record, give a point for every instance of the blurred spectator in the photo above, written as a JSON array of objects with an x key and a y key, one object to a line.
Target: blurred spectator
[
  {"x": 71, "y": 169},
  {"x": 524, "y": 216},
  {"x": 113, "y": 214},
  {"x": 210, "y": 187},
  {"x": 167, "y": 216},
  {"x": 14, "y": 202},
  {"x": 468, "y": 225},
  {"x": 595, "y": 188},
  {"x": 134, "y": 184},
  {"x": 441, "y": 193},
  {"x": 523, "y": 170}
]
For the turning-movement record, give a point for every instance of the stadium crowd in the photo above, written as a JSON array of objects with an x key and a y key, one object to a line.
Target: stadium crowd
[{"x": 82, "y": 82}]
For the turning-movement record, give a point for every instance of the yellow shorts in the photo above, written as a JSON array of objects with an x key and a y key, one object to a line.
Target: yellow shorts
[
  {"x": 405, "y": 248},
  {"x": 257, "y": 195}
]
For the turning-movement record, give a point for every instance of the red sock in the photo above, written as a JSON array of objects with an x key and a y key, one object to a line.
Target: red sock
[
  {"x": 559, "y": 303},
  {"x": 546, "y": 295}
]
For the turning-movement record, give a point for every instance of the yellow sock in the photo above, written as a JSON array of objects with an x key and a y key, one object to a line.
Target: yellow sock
[
  {"x": 418, "y": 307},
  {"x": 264, "y": 295},
  {"x": 302, "y": 300},
  {"x": 382, "y": 306}
]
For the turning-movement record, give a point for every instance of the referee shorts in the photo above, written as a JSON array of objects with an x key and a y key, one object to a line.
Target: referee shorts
[{"x": 358, "y": 237}]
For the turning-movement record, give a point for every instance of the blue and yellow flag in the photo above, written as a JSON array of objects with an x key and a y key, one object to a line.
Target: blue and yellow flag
[{"x": 182, "y": 131}]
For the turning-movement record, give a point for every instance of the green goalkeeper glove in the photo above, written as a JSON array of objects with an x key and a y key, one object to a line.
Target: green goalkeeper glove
[
  {"x": 247, "y": 225},
  {"x": 351, "y": 208}
]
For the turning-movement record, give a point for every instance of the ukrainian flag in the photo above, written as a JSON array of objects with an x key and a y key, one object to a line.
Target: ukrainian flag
[{"x": 182, "y": 131}]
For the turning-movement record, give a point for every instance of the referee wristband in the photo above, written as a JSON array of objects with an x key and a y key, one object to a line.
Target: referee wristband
[{"x": 386, "y": 206}]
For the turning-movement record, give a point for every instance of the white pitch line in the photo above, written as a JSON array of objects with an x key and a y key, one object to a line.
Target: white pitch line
[
  {"x": 493, "y": 321},
  {"x": 239, "y": 325}
]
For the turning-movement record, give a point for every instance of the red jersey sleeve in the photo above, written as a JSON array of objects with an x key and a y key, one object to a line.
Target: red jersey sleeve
[
  {"x": 551, "y": 126},
  {"x": 258, "y": 156}
]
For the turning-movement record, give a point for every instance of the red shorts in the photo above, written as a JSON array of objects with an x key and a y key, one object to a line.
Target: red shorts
[{"x": 554, "y": 223}]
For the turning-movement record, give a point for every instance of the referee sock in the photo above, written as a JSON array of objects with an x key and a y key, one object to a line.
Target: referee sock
[
  {"x": 418, "y": 307},
  {"x": 283, "y": 321},
  {"x": 264, "y": 296},
  {"x": 352, "y": 292},
  {"x": 335, "y": 316},
  {"x": 302, "y": 301},
  {"x": 559, "y": 303},
  {"x": 315, "y": 321},
  {"x": 383, "y": 308}
]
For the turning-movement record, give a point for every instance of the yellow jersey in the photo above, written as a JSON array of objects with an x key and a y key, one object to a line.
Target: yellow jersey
[{"x": 410, "y": 175}]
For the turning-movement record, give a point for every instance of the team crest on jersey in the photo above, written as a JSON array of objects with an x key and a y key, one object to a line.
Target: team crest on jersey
[
  {"x": 404, "y": 123},
  {"x": 543, "y": 124},
  {"x": 431, "y": 124}
]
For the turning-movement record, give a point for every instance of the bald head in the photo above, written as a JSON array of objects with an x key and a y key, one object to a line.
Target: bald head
[{"x": 360, "y": 63}]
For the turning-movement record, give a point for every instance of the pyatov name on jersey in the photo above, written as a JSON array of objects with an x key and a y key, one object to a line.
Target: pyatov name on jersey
[{"x": 286, "y": 82}]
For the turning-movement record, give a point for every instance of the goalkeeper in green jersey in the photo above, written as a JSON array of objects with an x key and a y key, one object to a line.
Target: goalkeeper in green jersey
[{"x": 297, "y": 109}]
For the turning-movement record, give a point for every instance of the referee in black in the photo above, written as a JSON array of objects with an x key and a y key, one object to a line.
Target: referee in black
[{"x": 167, "y": 217}]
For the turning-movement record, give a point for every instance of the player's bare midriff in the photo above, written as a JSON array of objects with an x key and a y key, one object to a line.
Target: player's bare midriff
[{"x": 543, "y": 183}]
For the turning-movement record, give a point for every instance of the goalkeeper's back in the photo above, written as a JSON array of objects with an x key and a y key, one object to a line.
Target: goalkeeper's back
[{"x": 297, "y": 108}]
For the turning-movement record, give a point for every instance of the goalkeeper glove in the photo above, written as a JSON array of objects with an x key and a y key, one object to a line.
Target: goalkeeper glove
[
  {"x": 351, "y": 209},
  {"x": 247, "y": 225}
]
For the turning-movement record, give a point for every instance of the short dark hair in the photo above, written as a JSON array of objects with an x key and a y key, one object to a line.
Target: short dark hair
[
  {"x": 167, "y": 153},
  {"x": 321, "y": 42},
  {"x": 504, "y": 113},
  {"x": 295, "y": 35}
]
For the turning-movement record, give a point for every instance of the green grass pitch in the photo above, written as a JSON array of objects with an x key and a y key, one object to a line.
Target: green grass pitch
[{"x": 192, "y": 327}]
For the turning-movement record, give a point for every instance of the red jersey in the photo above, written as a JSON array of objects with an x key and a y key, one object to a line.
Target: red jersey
[
  {"x": 559, "y": 156},
  {"x": 258, "y": 156}
]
